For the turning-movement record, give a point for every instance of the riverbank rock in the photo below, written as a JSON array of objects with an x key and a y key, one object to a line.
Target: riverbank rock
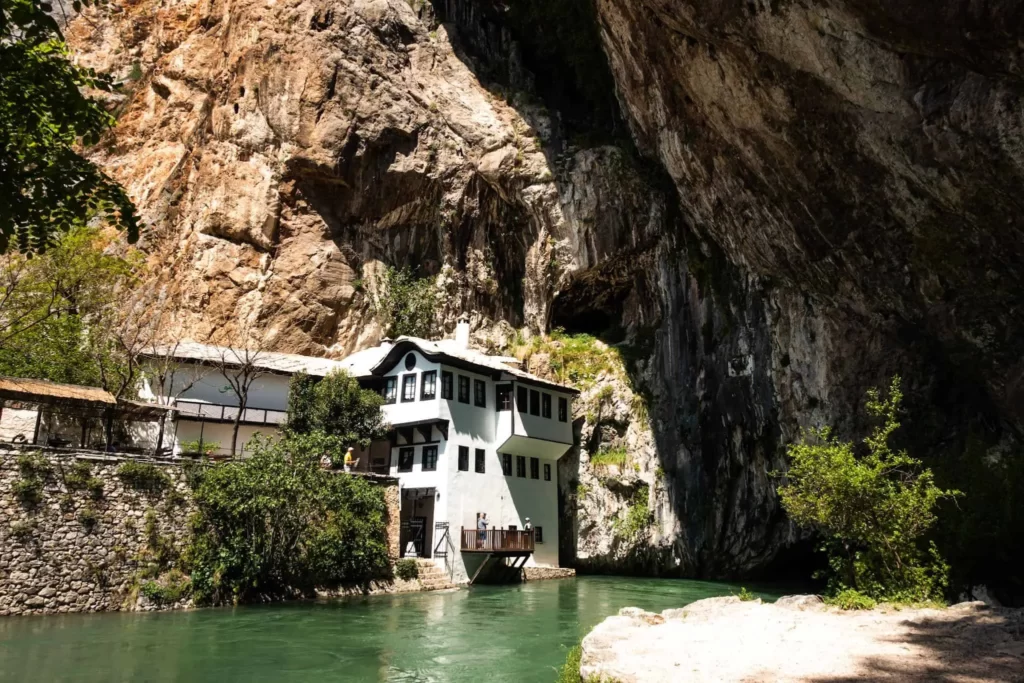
[{"x": 800, "y": 639}]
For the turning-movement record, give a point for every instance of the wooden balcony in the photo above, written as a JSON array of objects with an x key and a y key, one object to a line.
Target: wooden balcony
[{"x": 497, "y": 541}]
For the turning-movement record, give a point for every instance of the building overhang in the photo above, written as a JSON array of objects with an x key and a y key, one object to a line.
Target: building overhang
[{"x": 532, "y": 446}]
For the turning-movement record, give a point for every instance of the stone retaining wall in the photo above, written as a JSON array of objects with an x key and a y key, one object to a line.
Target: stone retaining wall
[{"x": 72, "y": 552}]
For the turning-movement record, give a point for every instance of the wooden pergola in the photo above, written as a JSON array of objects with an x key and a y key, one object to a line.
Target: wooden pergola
[{"x": 78, "y": 402}]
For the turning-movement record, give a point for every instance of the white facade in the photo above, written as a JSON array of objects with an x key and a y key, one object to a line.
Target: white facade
[
  {"x": 532, "y": 445},
  {"x": 207, "y": 407}
]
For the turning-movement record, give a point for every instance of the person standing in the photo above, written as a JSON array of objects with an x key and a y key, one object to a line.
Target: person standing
[
  {"x": 348, "y": 459},
  {"x": 481, "y": 525}
]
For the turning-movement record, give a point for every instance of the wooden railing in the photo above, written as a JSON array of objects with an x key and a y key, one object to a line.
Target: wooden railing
[{"x": 496, "y": 541}]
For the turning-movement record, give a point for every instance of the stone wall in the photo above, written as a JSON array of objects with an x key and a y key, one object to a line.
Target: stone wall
[{"x": 73, "y": 552}]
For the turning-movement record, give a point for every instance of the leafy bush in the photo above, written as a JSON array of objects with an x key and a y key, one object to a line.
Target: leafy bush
[
  {"x": 745, "y": 595},
  {"x": 577, "y": 359},
  {"x": 94, "y": 485},
  {"x": 34, "y": 466},
  {"x": 610, "y": 457},
  {"x": 88, "y": 517},
  {"x": 570, "y": 672},
  {"x": 28, "y": 491},
  {"x": 77, "y": 476},
  {"x": 22, "y": 531},
  {"x": 637, "y": 516},
  {"x": 175, "y": 587},
  {"x": 850, "y": 599},
  {"x": 277, "y": 522},
  {"x": 143, "y": 476},
  {"x": 196, "y": 447},
  {"x": 407, "y": 305},
  {"x": 407, "y": 570},
  {"x": 334, "y": 413},
  {"x": 873, "y": 510}
]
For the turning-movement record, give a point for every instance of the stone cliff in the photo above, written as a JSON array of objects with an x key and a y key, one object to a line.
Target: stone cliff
[{"x": 767, "y": 207}]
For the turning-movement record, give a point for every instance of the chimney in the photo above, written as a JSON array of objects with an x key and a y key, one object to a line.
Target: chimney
[{"x": 462, "y": 332}]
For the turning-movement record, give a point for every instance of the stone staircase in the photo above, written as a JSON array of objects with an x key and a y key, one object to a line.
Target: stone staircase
[{"x": 432, "y": 578}]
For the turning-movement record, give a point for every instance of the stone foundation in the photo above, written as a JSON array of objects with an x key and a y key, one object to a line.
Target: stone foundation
[{"x": 544, "y": 573}]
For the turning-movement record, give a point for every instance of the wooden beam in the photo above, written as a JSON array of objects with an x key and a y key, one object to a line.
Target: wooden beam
[
  {"x": 442, "y": 426},
  {"x": 426, "y": 431}
]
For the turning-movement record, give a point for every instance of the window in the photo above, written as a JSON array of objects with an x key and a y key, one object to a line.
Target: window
[
  {"x": 463, "y": 389},
  {"x": 405, "y": 456},
  {"x": 506, "y": 464},
  {"x": 547, "y": 472},
  {"x": 534, "y": 402},
  {"x": 538, "y": 534},
  {"x": 520, "y": 465},
  {"x": 521, "y": 399},
  {"x": 545, "y": 405},
  {"x": 504, "y": 397},
  {"x": 428, "y": 386},
  {"x": 390, "y": 389},
  {"x": 534, "y": 468},
  {"x": 463, "y": 458},
  {"x": 480, "y": 455},
  {"x": 429, "y": 458},
  {"x": 480, "y": 393},
  {"x": 410, "y": 361},
  {"x": 408, "y": 388},
  {"x": 563, "y": 410},
  {"x": 447, "y": 391}
]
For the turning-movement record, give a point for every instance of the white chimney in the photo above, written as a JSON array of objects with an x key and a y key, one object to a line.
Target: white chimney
[{"x": 462, "y": 332}]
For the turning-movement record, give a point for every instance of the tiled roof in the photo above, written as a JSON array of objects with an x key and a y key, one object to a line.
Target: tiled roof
[{"x": 19, "y": 388}]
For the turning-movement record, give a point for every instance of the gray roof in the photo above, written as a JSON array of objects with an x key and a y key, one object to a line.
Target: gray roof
[
  {"x": 285, "y": 363},
  {"x": 363, "y": 363}
]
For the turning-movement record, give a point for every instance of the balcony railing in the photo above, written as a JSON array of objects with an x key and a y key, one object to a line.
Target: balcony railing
[
  {"x": 212, "y": 411},
  {"x": 497, "y": 541}
]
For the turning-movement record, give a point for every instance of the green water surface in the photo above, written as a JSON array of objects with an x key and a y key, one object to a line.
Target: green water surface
[{"x": 494, "y": 634}]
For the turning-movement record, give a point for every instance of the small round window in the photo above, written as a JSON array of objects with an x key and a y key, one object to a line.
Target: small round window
[{"x": 410, "y": 361}]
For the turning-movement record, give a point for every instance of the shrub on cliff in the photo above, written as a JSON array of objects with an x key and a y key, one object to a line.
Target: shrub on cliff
[
  {"x": 407, "y": 305},
  {"x": 872, "y": 509},
  {"x": 276, "y": 523}
]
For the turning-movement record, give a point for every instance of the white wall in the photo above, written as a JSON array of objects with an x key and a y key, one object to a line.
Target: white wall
[
  {"x": 538, "y": 427},
  {"x": 219, "y": 432},
  {"x": 211, "y": 386},
  {"x": 15, "y": 421}
]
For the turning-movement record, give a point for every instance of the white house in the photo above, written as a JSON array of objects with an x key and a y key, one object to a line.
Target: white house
[{"x": 472, "y": 434}]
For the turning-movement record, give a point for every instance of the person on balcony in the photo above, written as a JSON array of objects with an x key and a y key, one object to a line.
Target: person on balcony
[
  {"x": 528, "y": 526},
  {"x": 348, "y": 459},
  {"x": 481, "y": 525}
]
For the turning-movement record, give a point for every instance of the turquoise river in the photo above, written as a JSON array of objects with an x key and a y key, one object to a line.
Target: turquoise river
[{"x": 494, "y": 634}]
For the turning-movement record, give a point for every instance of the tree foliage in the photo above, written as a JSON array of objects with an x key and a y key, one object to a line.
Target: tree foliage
[
  {"x": 47, "y": 187},
  {"x": 873, "y": 509},
  {"x": 276, "y": 522},
  {"x": 60, "y": 312},
  {"x": 334, "y": 412},
  {"x": 407, "y": 305}
]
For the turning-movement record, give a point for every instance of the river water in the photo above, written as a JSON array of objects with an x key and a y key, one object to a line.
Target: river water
[{"x": 490, "y": 633}]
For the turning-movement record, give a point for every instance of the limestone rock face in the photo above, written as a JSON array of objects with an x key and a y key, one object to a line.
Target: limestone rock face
[{"x": 811, "y": 199}]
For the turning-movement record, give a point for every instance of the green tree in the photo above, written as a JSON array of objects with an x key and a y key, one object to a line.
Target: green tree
[
  {"x": 407, "y": 305},
  {"x": 873, "y": 510},
  {"x": 276, "y": 522},
  {"x": 46, "y": 186},
  {"x": 60, "y": 312},
  {"x": 335, "y": 412}
]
